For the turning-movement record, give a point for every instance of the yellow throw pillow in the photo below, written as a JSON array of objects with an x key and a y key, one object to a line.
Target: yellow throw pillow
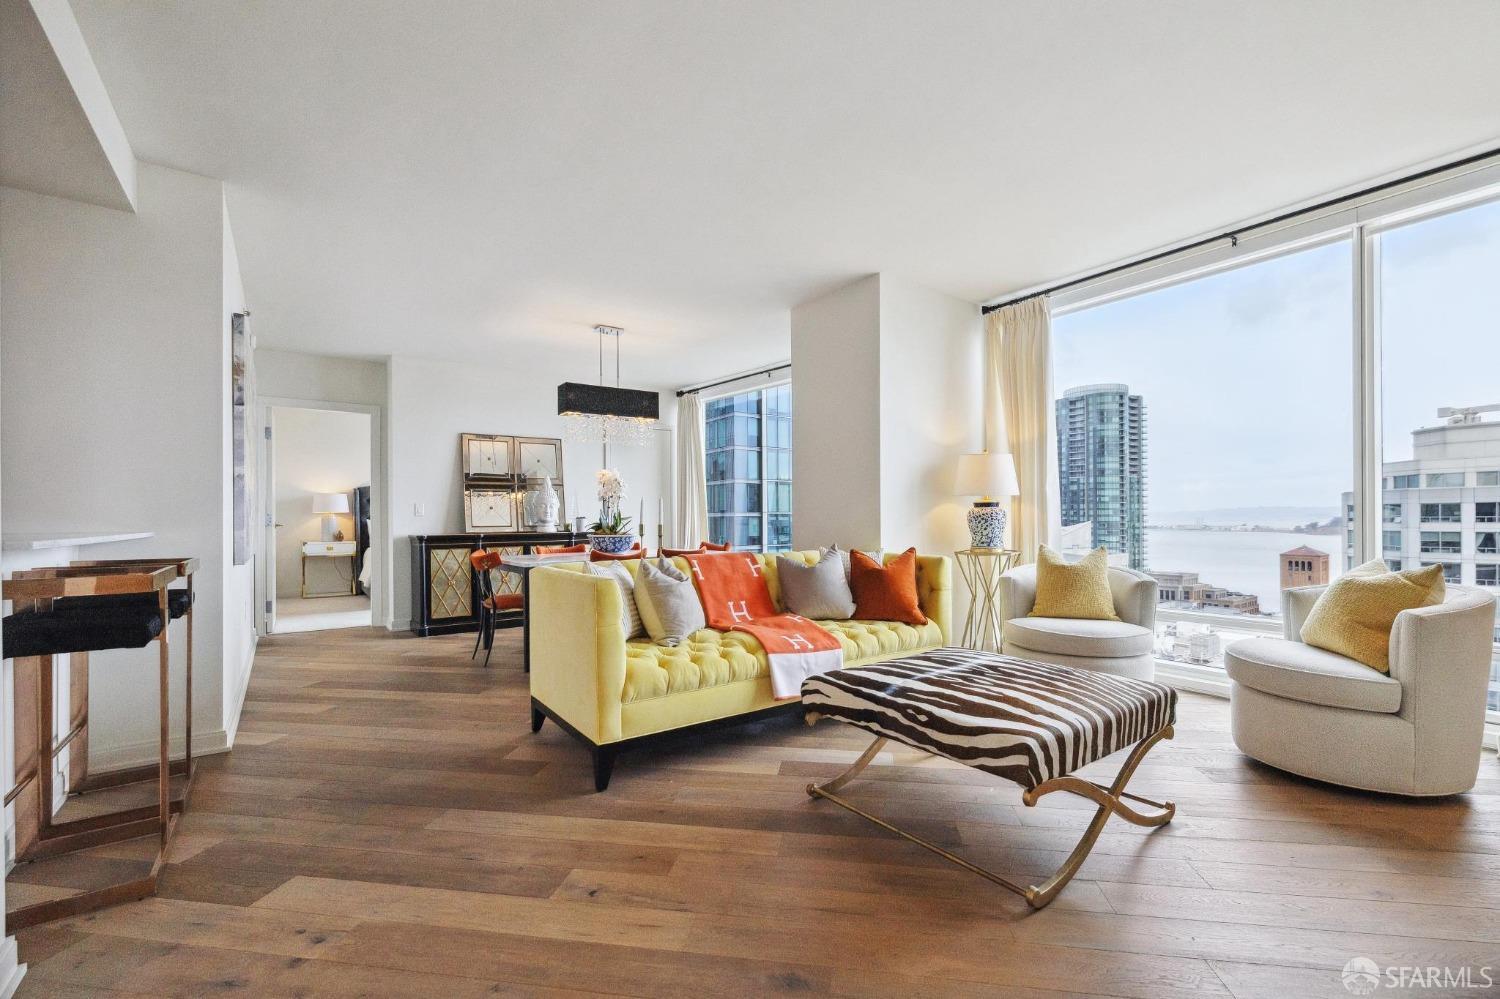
[
  {"x": 1073, "y": 589},
  {"x": 1354, "y": 616}
]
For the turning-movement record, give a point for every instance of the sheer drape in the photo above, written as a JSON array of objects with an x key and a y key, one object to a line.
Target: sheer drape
[
  {"x": 692, "y": 482},
  {"x": 1019, "y": 417}
]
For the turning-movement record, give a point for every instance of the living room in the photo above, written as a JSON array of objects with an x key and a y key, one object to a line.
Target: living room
[{"x": 854, "y": 499}]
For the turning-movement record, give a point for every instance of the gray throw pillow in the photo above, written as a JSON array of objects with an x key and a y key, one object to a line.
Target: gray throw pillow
[
  {"x": 819, "y": 591},
  {"x": 668, "y": 602},
  {"x": 630, "y": 616}
]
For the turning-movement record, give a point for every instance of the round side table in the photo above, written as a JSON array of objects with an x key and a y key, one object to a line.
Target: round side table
[{"x": 981, "y": 569}]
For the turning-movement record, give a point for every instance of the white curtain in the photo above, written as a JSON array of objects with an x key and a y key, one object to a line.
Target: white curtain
[
  {"x": 692, "y": 481},
  {"x": 1019, "y": 417}
]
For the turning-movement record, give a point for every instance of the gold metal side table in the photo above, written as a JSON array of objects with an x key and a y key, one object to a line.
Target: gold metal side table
[{"x": 981, "y": 569}]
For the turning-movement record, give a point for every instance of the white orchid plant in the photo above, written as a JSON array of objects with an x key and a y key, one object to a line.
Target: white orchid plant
[{"x": 611, "y": 497}]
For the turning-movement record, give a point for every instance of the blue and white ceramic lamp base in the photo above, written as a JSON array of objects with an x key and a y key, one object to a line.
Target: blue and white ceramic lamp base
[{"x": 987, "y": 525}]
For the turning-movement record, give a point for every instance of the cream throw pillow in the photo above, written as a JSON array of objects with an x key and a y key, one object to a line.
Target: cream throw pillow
[
  {"x": 1078, "y": 590},
  {"x": 630, "y": 615},
  {"x": 1354, "y": 616}
]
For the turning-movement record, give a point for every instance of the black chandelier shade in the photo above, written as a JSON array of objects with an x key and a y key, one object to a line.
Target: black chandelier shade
[{"x": 606, "y": 400}]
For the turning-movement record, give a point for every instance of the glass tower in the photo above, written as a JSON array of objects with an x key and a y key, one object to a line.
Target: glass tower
[
  {"x": 1101, "y": 466},
  {"x": 748, "y": 450}
]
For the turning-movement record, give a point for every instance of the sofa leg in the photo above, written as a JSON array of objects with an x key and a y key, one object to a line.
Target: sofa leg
[
  {"x": 604, "y": 766},
  {"x": 537, "y": 717}
]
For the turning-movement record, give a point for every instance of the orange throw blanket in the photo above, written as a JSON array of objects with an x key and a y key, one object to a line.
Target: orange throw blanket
[{"x": 735, "y": 598}]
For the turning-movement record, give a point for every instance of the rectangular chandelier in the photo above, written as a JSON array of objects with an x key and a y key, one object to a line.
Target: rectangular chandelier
[{"x": 578, "y": 399}]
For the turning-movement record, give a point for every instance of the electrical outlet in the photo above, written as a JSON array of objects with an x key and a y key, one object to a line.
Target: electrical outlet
[{"x": 419, "y": 509}]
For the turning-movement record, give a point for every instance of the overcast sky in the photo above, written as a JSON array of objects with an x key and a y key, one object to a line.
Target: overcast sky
[{"x": 1247, "y": 374}]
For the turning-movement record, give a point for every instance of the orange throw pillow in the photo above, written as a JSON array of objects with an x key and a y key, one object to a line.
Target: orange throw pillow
[
  {"x": 709, "y": 546},
  {"x": 886, "y": 593},
  {"x": 560, "y": 549}
]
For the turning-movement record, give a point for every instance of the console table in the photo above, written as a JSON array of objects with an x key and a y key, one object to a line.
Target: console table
[
  {"x": 444, "y": 593},
  {"x": 73, "y": 610}
]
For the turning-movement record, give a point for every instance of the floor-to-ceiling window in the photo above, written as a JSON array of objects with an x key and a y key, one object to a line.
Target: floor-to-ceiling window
[
  {"x": 1437, "y": 298},
  {"x": 748, "y": 447},
  {"x": 1203, "y": 435},
  {"x": 1286, "y": 411}
]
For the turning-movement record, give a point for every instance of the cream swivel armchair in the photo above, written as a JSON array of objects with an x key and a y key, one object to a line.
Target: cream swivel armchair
[
  {"x": 1125, "y": 647},
  {"x": 1315, "y": 713}
]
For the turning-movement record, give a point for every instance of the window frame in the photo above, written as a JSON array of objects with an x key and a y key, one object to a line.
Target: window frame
[{"x": 1360, "y": 224}]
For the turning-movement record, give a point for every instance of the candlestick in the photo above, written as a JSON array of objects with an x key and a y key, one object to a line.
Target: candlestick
[
  {"x": 661, "y": 513},
  {"x": 658, "y": 538},
  {"x": 640, "y": 520}
]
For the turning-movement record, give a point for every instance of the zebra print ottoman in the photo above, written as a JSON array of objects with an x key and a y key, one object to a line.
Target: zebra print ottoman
[{"x": 1031, "y": 723}]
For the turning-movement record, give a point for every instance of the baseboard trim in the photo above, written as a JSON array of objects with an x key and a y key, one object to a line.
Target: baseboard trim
[
  {"x": 139, "y": 754},
  {"x": 232, "y": 719},
  {"x": 11, "y": 970}
]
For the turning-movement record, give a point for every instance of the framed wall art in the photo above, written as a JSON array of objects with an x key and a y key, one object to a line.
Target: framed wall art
[
  {"x": 539, "y": 456},
  {"x": 487, "y": 456},
  {"x": 489, "y": 510}
]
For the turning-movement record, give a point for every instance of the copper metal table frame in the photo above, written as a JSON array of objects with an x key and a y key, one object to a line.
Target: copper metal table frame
[{"x": 1111, "y": 801}]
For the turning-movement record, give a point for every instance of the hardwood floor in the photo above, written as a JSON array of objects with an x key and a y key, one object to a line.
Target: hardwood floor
[{"x": 387, "y": 826}]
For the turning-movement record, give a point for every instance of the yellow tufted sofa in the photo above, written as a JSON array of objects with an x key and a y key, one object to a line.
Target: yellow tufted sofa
[{"x": 614, "y": 694}]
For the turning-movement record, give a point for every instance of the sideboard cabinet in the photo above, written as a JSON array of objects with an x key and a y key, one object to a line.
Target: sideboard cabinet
[{"x": 444, "y": 592}]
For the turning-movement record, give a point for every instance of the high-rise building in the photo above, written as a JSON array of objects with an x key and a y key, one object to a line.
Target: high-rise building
[
  {"x": 1101, "y": 464},
  {"x": 748, "y": 451},
  {"x": 1442, "y": 505}
]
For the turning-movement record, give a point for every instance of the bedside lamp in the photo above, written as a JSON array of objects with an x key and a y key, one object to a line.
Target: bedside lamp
[
  {"x": 329, "y": 504},
  {"x": 992, "y": 478}
]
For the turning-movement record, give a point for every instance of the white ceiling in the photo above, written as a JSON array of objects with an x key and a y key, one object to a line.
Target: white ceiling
[{"x": 477, "y": 179}]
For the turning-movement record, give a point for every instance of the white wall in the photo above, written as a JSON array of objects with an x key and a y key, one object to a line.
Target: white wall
[
  {"x": 289, "y": 374},
  {"x": 115, "y": 379},
  {"x": 432, "y": 402},
  {"x": 931, "y": 411},
  {"x": 239, "y": 580},
  {"x": 836, "y": 418},
  {"x": 317, "y": 451},
  {"x": 887, "y": 392}
]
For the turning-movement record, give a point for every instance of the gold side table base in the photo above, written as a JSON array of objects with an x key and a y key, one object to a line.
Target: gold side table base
[
  {"x": 981, "y": 569},
  {"x": 1111, "y": 801}
]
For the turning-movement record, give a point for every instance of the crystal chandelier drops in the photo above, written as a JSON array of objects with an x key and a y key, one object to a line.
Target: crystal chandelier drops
[{"x": 587, "y": 428}]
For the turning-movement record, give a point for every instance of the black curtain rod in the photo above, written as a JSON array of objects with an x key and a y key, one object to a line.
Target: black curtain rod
[
  {"x": 727, "y": 381},
  {"x": 1233, "y": 235}
]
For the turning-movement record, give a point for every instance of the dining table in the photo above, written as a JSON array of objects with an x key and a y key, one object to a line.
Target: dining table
[{"x": 521, "y": 566}]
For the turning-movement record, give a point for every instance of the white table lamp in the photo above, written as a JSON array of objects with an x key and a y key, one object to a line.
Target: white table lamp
[
  {"x": 329, "y": 504},
  {"x": 992, "y": 478}
]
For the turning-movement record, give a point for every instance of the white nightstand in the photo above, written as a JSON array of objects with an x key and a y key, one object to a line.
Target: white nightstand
[{"x": 330, "y": 549}]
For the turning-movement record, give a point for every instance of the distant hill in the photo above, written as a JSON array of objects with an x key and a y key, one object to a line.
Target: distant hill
[{"x": 1269, "y": 516}]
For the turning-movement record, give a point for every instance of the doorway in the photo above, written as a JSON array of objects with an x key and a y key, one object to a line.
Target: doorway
[{"x": 320, "y": 561}]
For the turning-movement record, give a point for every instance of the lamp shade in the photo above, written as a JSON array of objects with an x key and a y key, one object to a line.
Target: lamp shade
[
  {"x": 330, "y": 502},
  {"x": 986, "y": 474}
]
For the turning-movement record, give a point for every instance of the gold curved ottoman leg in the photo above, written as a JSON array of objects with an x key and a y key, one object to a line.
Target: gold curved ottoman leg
[
  {"x": 832, "y": 786},
  {"x": 1109, "y": 802}
]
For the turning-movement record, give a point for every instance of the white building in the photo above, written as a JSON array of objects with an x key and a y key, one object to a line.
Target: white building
[{"x": 1443, "y": 505}]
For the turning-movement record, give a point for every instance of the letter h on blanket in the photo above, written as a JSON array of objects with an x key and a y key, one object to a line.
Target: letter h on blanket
[{"x": 735, "y": 598}]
